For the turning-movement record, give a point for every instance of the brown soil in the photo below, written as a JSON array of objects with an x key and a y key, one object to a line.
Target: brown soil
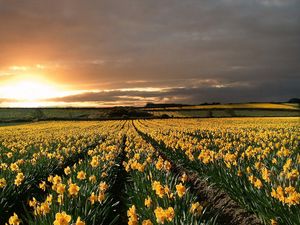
[{"x": 231, "y": 211}]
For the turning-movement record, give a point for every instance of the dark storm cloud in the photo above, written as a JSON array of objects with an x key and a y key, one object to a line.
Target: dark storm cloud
[
  {"x": 192, "y": 94},
  {"x": 164, "y": 43}
]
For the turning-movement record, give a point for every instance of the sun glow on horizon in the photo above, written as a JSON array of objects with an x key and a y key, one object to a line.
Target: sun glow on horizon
[
  {"x": 29, "y": 88},
  {"x": 32, "y": 91}
]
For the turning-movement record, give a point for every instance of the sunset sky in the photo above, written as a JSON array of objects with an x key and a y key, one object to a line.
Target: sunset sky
[{"x": 129, "y": 52}]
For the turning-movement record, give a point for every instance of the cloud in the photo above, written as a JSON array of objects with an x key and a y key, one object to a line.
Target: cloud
[
  {"x": 230, "y": 92},
  {"x": 110, "y": 44}
]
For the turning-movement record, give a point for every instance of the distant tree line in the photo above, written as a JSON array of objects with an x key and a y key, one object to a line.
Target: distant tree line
[
  {"x": 165, "y": 105},
  {"x": 294, "y": 100}
]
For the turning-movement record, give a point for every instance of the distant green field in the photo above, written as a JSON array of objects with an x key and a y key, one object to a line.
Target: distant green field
[
  {"x": 22, "y": 114},
  {"x": 229, "y": 110},
  {"x": 227, "y": 113},
  {"x": 201, "y": 111},
  {"x": 288, "y": 106}
]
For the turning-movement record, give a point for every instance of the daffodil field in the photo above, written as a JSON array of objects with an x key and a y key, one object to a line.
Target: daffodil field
[{"x": 144, "y": 171}]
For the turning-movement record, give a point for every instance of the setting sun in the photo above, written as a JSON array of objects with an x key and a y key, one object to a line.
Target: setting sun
[
  {"x": 29, "y": 90},
  {"x": 34, "y": 91}
]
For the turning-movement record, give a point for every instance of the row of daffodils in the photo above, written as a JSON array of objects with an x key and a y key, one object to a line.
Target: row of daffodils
[
  {"x": 50, "y": 171},
  {"x": 255, "y": 160},
  {"x": 155, "y": 194},
  {"x": 82, "y": 194}
]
